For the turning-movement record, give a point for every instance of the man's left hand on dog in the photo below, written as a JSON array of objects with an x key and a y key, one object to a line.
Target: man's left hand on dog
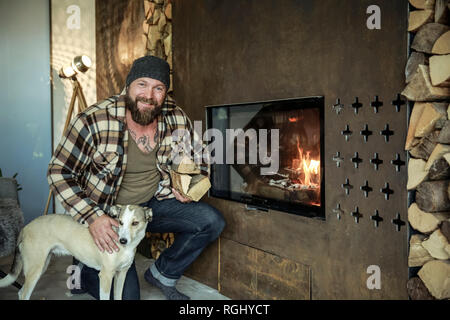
[{"x": 104, "y": 236}]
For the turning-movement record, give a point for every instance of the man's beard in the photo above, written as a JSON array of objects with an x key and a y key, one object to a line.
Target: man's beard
[{"x": 142, "y": 117}]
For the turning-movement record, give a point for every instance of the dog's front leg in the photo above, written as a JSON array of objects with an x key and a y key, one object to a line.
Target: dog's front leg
[
  {"x": 106, "y": 278},
  {"x": 119, "y": 281}
]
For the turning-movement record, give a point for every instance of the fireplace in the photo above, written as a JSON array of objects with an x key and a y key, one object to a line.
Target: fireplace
[{"x": 269, "y": 155}]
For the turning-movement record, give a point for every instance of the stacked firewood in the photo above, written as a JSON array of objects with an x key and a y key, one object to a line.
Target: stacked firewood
[
  {"x": 158, "y": 36},
  {"x": 158, "y": 29},
  {"x": 428, "y": 143}
]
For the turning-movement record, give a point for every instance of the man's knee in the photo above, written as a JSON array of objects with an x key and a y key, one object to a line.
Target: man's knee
[{"x": 216, "y": 223}]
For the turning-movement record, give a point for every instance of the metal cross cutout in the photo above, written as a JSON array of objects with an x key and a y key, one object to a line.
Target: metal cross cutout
[
  {"x": 338, "y": 211},
  {"x": 366, "y": 189},
  {"x": 398, "y": 222},
  {"x": 376, "y": 217},
  {"x": 347, "y": 133},
  {"x": 356, "y": 214},
  {"x": 356, "y": 105},
  {"x": 387, "y": 132},
  {"x": 356, "y": 160},
  {"x": 366, "y": 133},
  {"x": 347, "y": 186},
  {"x": 398, "y": 162},
  {"x": 338, "y": 107},
  {"x": 376, "y": 104},
  {"x": 338, "y": 159},
  {"x": 376, "y": 161},
  {"x": 398, "y": 103},
  {"x": 387, "y": 191}
]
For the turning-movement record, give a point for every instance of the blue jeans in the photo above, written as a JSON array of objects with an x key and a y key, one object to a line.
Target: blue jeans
[{"x": 195, "y": 224}]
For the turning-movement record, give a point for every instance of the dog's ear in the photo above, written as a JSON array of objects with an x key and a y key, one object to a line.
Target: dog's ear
[
  {"x": 114, "y": 211},
  {"x": 148, "y": 212}
]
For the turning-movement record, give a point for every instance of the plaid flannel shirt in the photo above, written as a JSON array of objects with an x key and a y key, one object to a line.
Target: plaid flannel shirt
[{"x": 89, "y": 163}]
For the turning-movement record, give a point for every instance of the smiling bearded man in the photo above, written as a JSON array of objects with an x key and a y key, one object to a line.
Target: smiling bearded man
[{"x": 118, "y": 151}]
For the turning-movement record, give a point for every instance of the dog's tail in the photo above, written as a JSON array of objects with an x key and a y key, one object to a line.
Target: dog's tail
[{"x": 16, "y": 268}]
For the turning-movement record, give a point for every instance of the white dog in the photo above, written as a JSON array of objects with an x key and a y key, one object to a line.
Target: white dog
[{"x": 61, "y": 235}]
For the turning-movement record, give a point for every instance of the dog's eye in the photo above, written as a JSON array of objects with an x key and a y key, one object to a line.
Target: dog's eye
[
  {"x": 120, "y": 222},
  {"x": 135, "y": 223}
]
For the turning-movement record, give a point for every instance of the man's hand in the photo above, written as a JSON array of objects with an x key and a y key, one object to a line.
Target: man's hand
[
  {"x": 180, "y": 197},
  {"x": 103, "y": 234}
]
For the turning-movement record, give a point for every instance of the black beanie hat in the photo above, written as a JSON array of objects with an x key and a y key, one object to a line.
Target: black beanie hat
[{"x": 150, "y": 67}]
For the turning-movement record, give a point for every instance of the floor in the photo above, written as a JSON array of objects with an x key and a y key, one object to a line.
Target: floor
[{"x": 53, "y": 283}]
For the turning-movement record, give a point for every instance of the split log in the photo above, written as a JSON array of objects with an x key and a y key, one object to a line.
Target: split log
[
  {"x": 417, "y": 290},
  {"x": 414, "y": 60},
  {"x": 427, "y": 36},
  {"x": 168, "y": 11},
  {"x": 441, "y": 12},
  {"x": 444, "y": 135},
  {"x": 180, "y": 182},
  {"x": 437, "y": 153},
  {"x": 442, "y": 44},
  {"x": 432, "y": 113},
  {"x": 421, "y": 89},
  {"x": 153, "y": 37},
  {"x": 418, "y": 18},
  {"x": 415, "y": 117},
  {"x": 422, "y": 4},
  {"x": 162, "y": 22},
  {"x": 425, "y": 222},
  {"x": 440, "y": 70},
  {"x": 418, "y": 255},
  {"x": 447, "y": 157},
  {"x": 432, "y": 196},
  {"x": 149, "y": 8},
  {"x": 416, "y": 173},
  {"x": 184, "y": 164},
  {"x": 436, "y": 277},
  {"x": 439, "y": 170},
  {"x": 425, "y": 146},
  {"x": 445, "y": 229},
  {"x": 197, "y": 187},
  {"x": 436, "y": 245}
]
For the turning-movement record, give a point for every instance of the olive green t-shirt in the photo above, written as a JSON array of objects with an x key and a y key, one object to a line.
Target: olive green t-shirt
[{"x": 141, "y": 177}]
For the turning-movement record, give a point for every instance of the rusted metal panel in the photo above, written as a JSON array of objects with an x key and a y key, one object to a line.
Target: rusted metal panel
[
  {"x": 248, "y": 273},
  {"x": 264, "y": 50}
]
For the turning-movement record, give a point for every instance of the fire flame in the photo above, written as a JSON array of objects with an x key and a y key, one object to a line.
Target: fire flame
[{"x": 309, "y": 167}]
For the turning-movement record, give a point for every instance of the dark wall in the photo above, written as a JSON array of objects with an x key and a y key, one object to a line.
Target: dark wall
[{"x": 241, "y": 51}]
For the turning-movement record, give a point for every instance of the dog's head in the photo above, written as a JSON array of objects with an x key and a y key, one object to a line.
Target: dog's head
[{"x": 132, "y": 222}]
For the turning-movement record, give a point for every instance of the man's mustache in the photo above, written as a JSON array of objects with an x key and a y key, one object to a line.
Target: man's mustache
[{"x": 145, "y": 100}]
